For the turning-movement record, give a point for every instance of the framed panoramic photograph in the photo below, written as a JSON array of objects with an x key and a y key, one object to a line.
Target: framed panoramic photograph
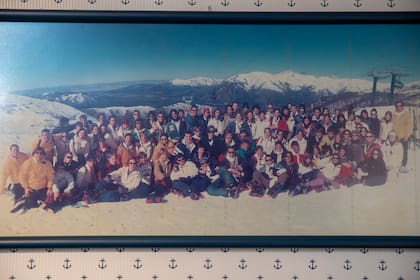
[{"x": 236, "y": 130}]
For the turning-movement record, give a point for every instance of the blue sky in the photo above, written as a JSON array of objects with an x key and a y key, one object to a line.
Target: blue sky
[{"x": 51, "y": 54}]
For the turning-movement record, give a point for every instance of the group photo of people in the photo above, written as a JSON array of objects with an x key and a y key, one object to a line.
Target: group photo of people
[{"x": 236, "y": 150}]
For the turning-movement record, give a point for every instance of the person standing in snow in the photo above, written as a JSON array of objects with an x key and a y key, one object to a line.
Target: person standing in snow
[
  {"x": 402, "y": 123},
  {"x": 10, "y": 171}
]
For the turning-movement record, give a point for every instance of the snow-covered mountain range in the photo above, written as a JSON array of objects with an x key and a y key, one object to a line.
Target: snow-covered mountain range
[
  {"x": 196, "y": 82},
  {"x": 70, "y": 98},
  {"x": 287, "y": 80},
  {"x": 253, "y": 87}
]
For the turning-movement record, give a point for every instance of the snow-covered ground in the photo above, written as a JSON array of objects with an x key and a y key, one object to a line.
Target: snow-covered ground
[
  {"x": 392, "y": 209},
  {"x": 24, "y": 117}
]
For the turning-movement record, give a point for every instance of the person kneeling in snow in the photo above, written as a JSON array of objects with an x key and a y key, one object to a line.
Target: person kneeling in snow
[
  {"x": 264, "y": 178},
  {"x": 372, "y": 171},
  {"x": 287, "y": 176},
  {"x": 63, "y": 188},
  {"x": 182, "y": 174},
  {"x": 120, "y": 184}
]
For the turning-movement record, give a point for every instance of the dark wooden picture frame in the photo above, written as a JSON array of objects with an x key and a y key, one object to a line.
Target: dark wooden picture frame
[{"x": 240, "y": 239}]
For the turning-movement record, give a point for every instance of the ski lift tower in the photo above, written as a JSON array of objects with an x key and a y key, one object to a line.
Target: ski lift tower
[
  {"x": 376, "y": 76},
  {"x": 395, "y": 84}
]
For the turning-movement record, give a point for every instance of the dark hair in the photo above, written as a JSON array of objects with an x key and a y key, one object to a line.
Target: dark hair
[
  {"x": 211, "y": 128},
  {"x": 388, "y": 113},
  {"x": 81, "y": 131},
  {"x": 364, "y": 111},
  {"x": 63, "y": 120},
  {"x": 307, "y": 156},
  {"x": 39, "y": 150},
  {"x": 226, "y": 133},
  {"x": 379, "y": 151},
  {"x": 341, "y": 115},
  {"x": 179, "y": 156},
  {"x": 288, "y": 153},
  {"x": 45, "y": 130},
  {"x": 14, "y": 145},
  {"x": 90, "y": 157},
  {"x": 142, "y": 155},
  {"x": 317, "y": 109},
  {"x": 294, "y": 143}
]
